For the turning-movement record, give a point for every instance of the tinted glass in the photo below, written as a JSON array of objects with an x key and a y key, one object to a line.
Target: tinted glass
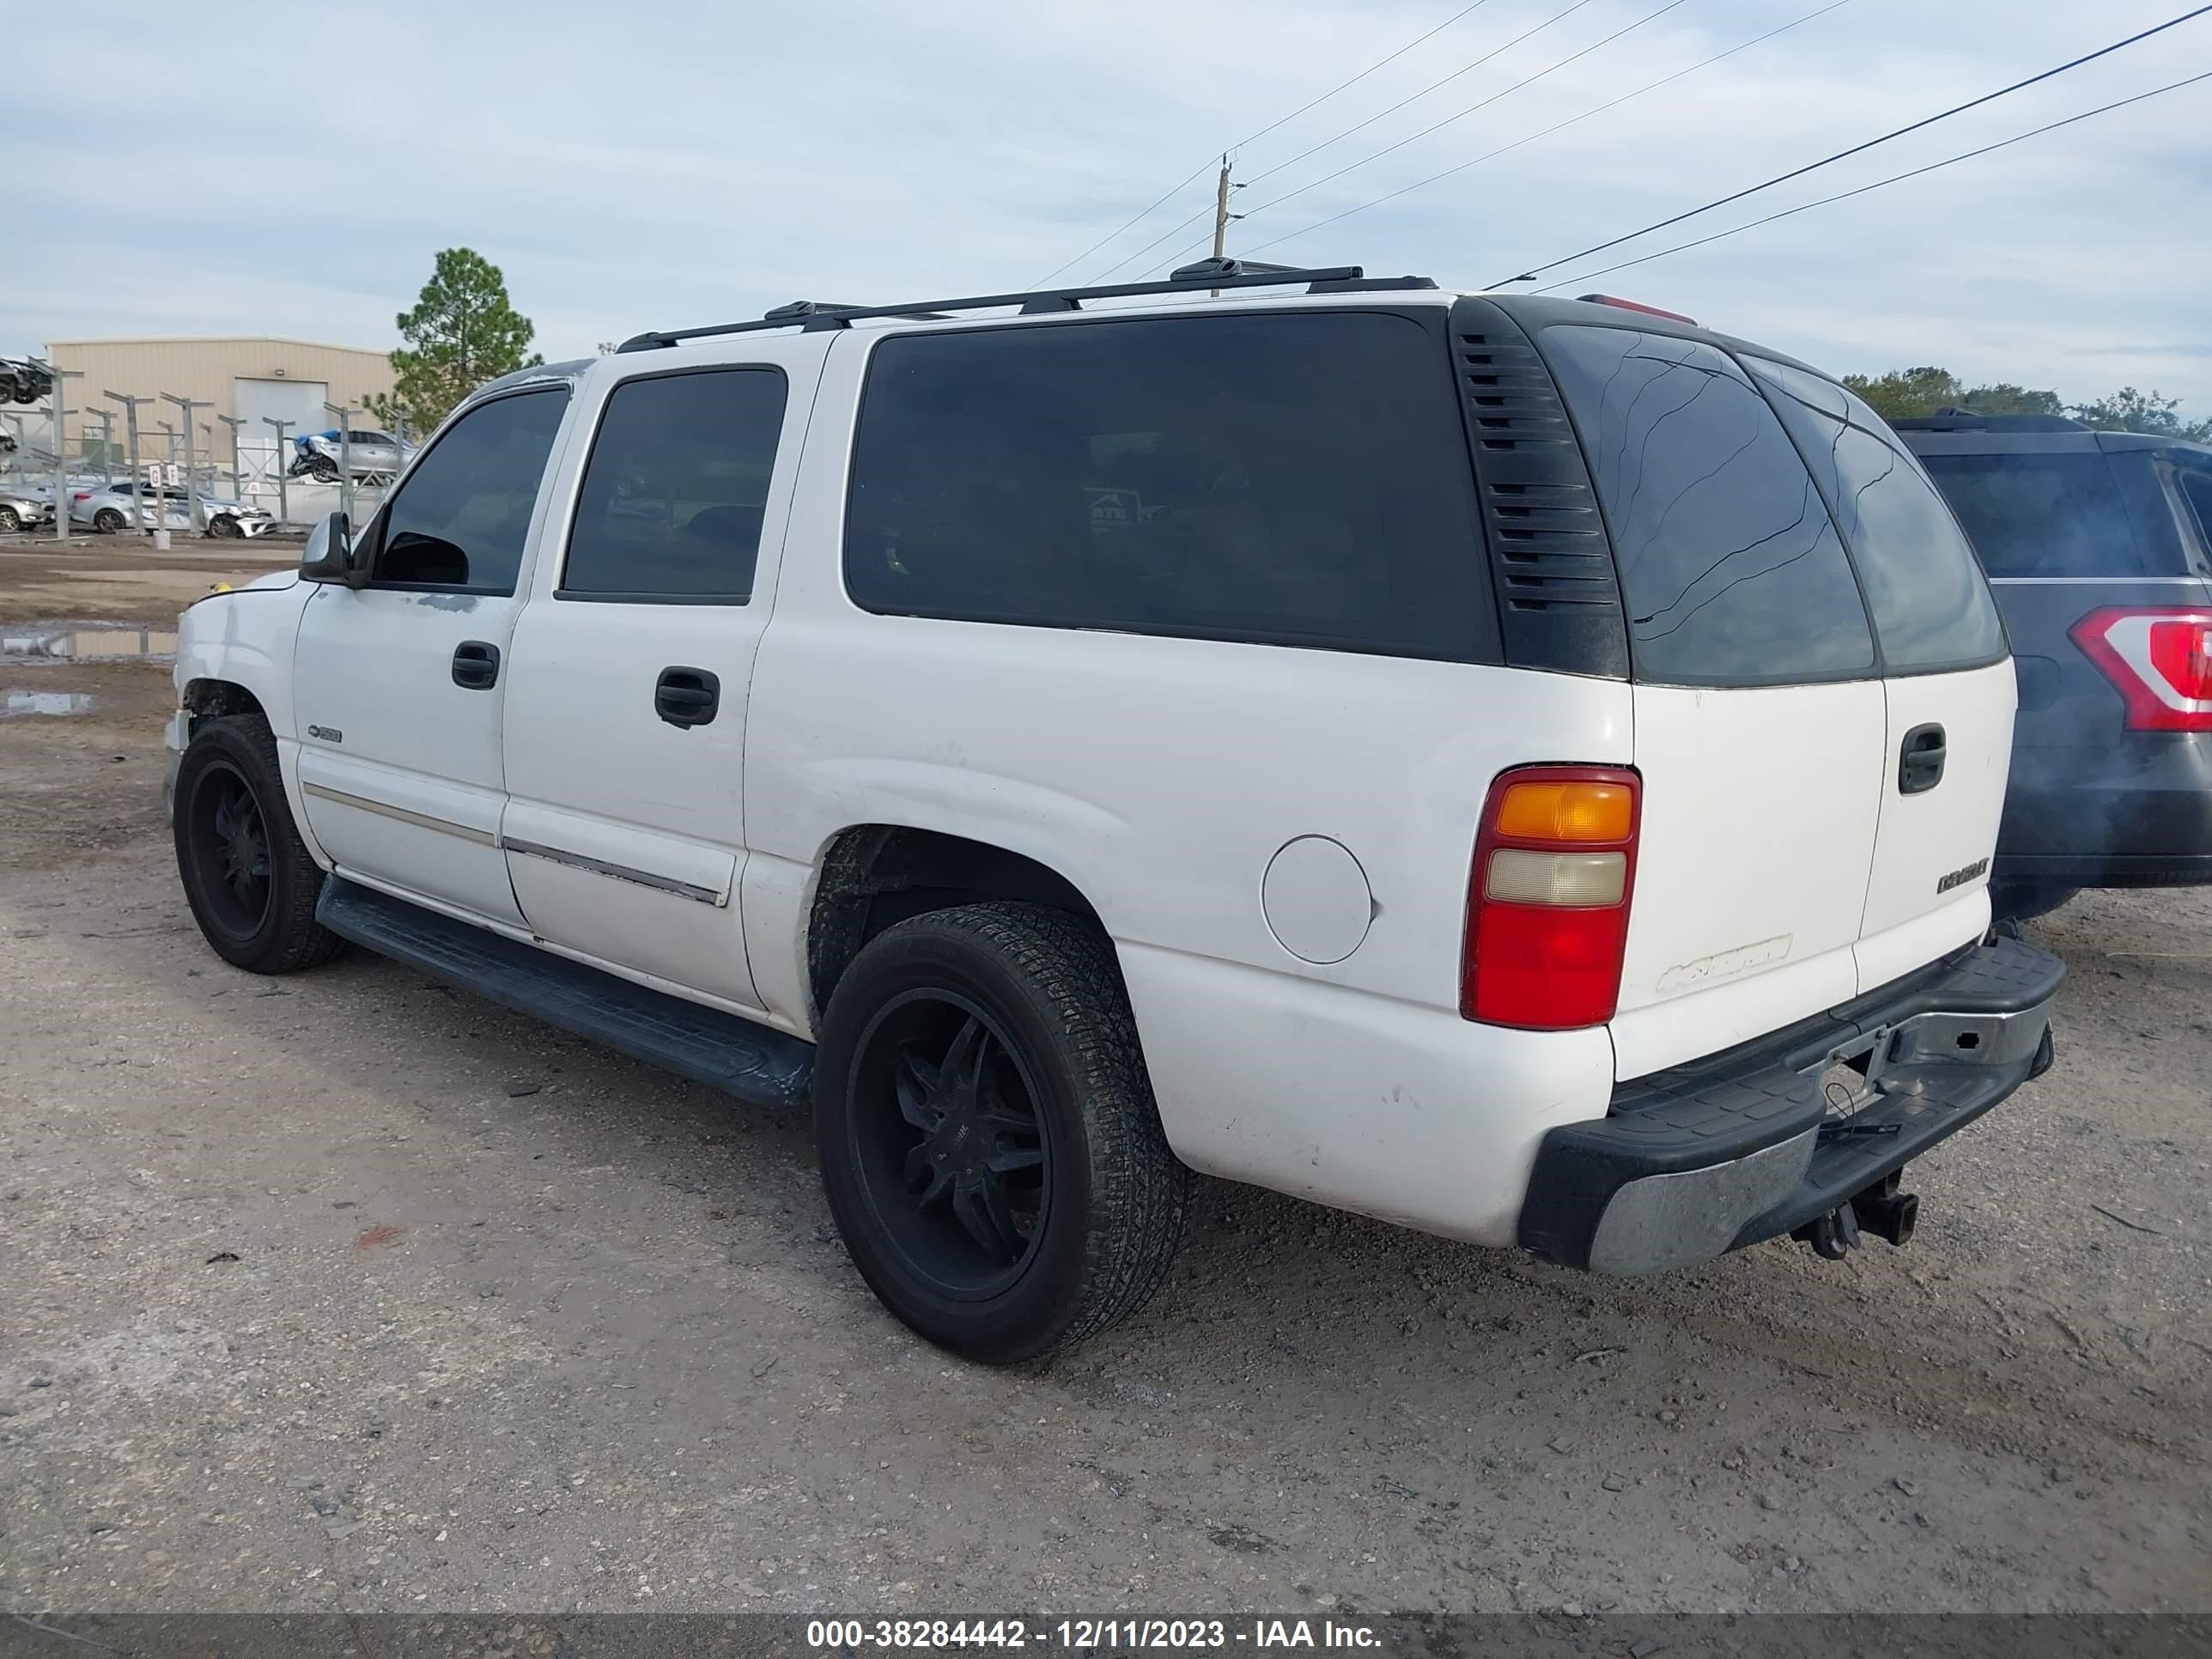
[
  {"x": 1729, "y": 565},
  {"x": 2039, "y": 515},
  {"x": 462, "y": 517},
  {"x": 1298, "y": 479},
  {"x": 675, "y": 489},
  {"x": 2196, "y": 486},
  {"x": 1931, "y": 607}
]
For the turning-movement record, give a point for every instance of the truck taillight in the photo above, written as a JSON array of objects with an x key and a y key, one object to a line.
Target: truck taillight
[
  {"x": 1547, "y": 899},
  {"x": 2159, "y": 657}
]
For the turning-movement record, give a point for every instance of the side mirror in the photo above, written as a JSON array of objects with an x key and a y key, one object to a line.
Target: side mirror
[{"x": 328, "y": 555}]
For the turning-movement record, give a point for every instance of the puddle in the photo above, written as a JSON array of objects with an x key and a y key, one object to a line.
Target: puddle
[
  {"x": 15, "y": 703},
  {"x": 86, "y": 643}
]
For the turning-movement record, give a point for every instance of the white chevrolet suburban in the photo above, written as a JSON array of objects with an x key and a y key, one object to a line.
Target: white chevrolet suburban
[{"x": 1523, "y": 768}]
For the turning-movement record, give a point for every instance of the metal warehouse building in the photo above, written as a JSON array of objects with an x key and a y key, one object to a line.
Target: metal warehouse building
[{"x": 287, "y": 380}]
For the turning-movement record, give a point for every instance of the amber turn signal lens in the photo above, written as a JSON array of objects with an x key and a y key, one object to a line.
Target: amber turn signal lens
[{"x": 1566, "y": 812}]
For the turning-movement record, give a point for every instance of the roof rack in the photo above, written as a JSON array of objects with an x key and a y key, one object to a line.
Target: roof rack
[
  {"x": 812, "y": 315},
  {"x": 1965, "y": 420}
]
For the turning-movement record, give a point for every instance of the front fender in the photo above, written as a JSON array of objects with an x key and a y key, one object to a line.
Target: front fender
[{"x": 246, "y": 639}]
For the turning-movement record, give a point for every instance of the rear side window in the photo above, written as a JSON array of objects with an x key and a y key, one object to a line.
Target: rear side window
[
  {"x": 1729, "y": 566},
  {"x": 1932, "y": 608},
  {"x": 2195, "y": 485},
  {"x": 2040, "y": 515},
  {"x": 676, "y": 488},
  {"x": 1296, "y": 479}
]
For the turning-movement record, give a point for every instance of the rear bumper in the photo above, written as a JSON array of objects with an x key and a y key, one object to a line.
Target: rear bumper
[
  {"x": 1750, "y": 1143},
  {"x": 2137, "y": 815}
]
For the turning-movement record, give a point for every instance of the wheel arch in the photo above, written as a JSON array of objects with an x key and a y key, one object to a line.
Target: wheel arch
[
  {"x": 870, "y": 876},
  {"x": 207, "y": 698}
]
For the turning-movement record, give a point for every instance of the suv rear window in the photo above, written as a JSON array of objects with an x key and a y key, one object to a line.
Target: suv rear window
[
  {"x": 2039, "y": 515},
  {"x": 1296, "y": 479},
  {"x": 1729, "y": 567},
  {"x": 1932, "y": 608}
]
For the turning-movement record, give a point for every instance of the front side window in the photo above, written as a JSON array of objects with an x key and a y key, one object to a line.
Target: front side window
[
  {"x": 1728, "y": 563},
  {"x": 461, "y": 518},
  {"x": 1931, "y": 606},
  {"x": 677, "y": 486},
  {"x": 1294, "y": 479}
]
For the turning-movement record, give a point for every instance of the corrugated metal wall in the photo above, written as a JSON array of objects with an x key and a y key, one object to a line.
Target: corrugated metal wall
[{"x": 208, "y": 370}]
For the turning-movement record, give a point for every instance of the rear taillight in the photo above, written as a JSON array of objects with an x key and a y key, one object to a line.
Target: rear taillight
[
  {"x": 79, "y": 495},
  {"x": 2159, "y": 657},
  {"x": 1548, "y": 900}
]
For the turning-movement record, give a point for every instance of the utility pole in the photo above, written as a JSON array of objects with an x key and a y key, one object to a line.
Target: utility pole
[
  {"x": 1222, "y": 215},
  {"x": 284, "y": 471},
  {"x": 61, "y": 453},
  {"x": 198, "y": 512},
  {"x": 1221, "y": 210},
  {"x": 130, "y": 426}
]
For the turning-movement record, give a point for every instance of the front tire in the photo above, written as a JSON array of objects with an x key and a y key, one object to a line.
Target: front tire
[
  {"x": 989, "y": 1143},
  {"x": 10, "y": 521},
  {"x": 223, "y": 526},
  {"x": 246, "y": 875}
]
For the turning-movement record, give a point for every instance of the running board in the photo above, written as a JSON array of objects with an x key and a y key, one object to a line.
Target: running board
[{"x": 761, "y": 1066}]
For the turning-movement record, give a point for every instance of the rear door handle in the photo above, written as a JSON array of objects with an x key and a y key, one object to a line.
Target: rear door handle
[
  {"x": 686, "y": 697},
  {"x": 1920, "y": 763},
  {"x": 476, "y": 665}
]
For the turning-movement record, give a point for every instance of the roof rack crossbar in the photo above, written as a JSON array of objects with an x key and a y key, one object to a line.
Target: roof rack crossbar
[{"x": 1227, "y": 273}]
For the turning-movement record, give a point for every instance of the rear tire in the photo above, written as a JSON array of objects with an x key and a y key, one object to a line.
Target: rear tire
[
  {"x": 10, "y": 521},
  {"x": 246, "y": 873},
  {"x": 107, "y": 520},
  {"x": 2024, "y": 901},
  {"x": 989, "y": 1142}
]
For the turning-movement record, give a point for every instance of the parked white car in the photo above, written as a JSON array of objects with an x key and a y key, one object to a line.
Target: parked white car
[
  {"x": 1523, "y": 768},
  {"x": 108, "y": 507}
]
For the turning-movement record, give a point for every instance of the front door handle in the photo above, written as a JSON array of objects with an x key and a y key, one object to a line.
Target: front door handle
[
  {"x": 686, "y": 697},
  {"x": 476, "y": 665},
  {"x": 1920, "y": 763}
]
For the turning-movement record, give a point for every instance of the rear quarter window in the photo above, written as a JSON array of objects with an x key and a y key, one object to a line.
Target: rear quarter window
[
  {"x": 2040, "y": 514},
  {"x": 1298, "y": 478},
  {"x": 1729, "y": 566},
  {"x": 1931, "y": 605}
]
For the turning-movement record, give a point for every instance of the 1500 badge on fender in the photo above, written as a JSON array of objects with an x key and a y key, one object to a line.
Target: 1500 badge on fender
[{"x": 1961, "y": 877}]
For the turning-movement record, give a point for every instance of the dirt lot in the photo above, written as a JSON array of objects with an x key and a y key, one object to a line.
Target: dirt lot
[{"x": 349, "y": 1293}]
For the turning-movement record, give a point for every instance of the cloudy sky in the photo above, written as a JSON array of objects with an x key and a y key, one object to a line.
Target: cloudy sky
[{"x": 647, "y": 163}]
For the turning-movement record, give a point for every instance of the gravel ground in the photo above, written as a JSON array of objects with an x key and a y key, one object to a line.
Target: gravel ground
[{"x": 351, "y": 1293}]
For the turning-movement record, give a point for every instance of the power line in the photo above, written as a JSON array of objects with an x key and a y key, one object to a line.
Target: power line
[
  {"x": 1362, "y": 75},
  {"x": 1611, "y": 103},
  {"x": 1464, "y": 69},
  {"x": 1110, "y": 235},
  {"x": 1263, "y": 132},
  {"x": 1899, "y": 178},
  {"x": 1177, "y": 230},
  {"x": 1528, "y": 80},
  {"x": 1534, "y": 271}
]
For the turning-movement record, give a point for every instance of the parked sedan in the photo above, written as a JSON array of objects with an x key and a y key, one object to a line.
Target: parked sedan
[
  {"x": 107, "y": 508},
  {"x": 22, "y": 511},
  {"x": 371, "y": 454}
]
